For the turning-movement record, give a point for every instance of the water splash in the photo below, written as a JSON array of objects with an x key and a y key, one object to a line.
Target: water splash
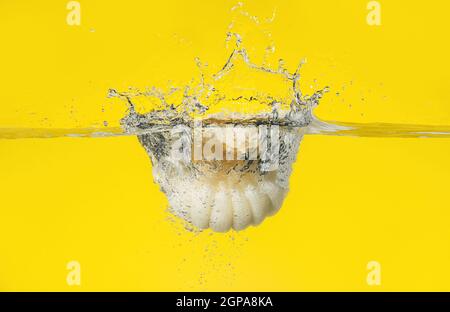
[{"x": 217, "y": 99}]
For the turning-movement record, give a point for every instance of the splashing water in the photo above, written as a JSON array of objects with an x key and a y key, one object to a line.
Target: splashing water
[
  {"x": 233, "y": 184},
  {"x": 233, "y": 193},
  {"x": 209, "y": 96},
  {"x": 183, "y": 105},
  {"x": 214, "y": 101}
]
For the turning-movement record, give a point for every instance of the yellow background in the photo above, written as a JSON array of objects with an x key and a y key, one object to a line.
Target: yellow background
[{"x": 352, "y": 200}]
